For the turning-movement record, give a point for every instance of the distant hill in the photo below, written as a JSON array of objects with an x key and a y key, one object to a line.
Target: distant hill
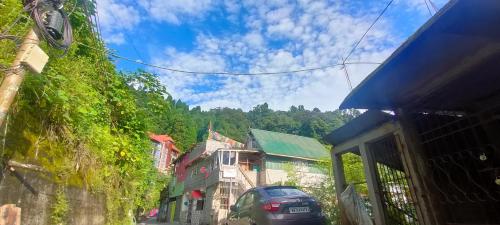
[{"x": 235, "y": 123}]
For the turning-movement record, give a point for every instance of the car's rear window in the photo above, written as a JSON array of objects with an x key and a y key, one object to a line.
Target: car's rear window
[{"x": 283, "y": 191}]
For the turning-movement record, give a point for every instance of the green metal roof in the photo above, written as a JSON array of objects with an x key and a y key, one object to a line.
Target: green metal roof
[{"x": 274, "y": 143}]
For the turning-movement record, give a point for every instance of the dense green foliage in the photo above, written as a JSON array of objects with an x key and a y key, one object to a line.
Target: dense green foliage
[
  {"x": 60, "y": 208},
  {"x": 81, "y": 120},
  {"x": 297, "y": 120}
]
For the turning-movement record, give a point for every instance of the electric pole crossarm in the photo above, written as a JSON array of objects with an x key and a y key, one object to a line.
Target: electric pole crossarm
[{"x": 15, "y": 75}]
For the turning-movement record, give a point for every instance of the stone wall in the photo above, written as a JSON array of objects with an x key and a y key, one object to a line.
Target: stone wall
[
  {"x": 85, "y": 208},
  {"x": 274, "y": 176}
]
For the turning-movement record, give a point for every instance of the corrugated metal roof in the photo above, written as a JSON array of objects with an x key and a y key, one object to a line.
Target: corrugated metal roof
[{"x": 274, "y": 143}]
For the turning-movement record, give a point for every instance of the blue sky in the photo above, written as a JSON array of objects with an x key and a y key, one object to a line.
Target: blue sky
[{"x": 257, "y": 36}]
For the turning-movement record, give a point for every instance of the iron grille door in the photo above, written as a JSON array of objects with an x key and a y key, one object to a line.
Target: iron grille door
[
  {"x": 399, "y": 205},
  {"x": 463, "y": 155}
]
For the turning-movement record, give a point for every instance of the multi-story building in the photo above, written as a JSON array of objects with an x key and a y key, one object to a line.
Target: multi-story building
[
  {"x": 209, "y": 178},
  {"x": 164, "y": 151}
]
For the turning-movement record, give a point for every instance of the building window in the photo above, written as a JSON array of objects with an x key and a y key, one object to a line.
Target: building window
[
  {"x": 228, "y": 158},
  {"x": 200, "y": 204},
  {"x": 215, "y": 162},
  {"x": 195, "y": 170}
]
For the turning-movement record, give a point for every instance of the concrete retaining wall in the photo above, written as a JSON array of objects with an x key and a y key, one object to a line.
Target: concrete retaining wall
[{"x": 85, "y": 208}]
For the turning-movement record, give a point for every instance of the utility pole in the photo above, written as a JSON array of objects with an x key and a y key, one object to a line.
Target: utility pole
[
  {"x": 53, "y": 24},
  {"x": 30, "y": 55}
]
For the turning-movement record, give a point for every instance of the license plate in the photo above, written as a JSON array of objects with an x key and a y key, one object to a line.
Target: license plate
[{"x": 299, "y": 209}]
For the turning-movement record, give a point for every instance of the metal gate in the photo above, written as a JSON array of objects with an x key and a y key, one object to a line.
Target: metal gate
[{"x": 398, "y": 202}]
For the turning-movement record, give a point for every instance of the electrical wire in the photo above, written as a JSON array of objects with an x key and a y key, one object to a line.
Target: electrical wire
[
  {"x": 434, "y": 6},
  {"x": 5, "y": 70},
  {"x": 10, "y": 37},
  {"x": 227, "y": 73},
  {"x": 16, "y": 21},
  {"x": 34, "y": 7},
  {"x": 239, "y": 73},
  {"x": 75, "y": 4},
  {"x": 368, "y": 30},
  {"x": 131, "y": 41},
  {"x": 114, "y": 55},
  {"x": 344, "y": 60},
  {"x": 428, "y": 9},
  {"x": 96, "y": 34}
]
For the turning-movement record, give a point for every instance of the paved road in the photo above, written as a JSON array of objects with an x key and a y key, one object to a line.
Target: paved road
[{"x": 152, "y": 221}]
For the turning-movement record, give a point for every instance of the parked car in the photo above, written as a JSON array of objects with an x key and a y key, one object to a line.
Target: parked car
[{"x": 275, "y": 205}]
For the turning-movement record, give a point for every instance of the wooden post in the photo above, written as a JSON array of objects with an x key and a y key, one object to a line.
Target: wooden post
[
  {"x": 15, "y": 75},
  {"x": 338, "y": 173},
  {"x": 419, "y": 171},
  {"x": 372, "y": 183},
  {"x": 340, "y": 183}
]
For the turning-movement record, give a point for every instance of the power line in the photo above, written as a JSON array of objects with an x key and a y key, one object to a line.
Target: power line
[
  {"x": 16, "y": 21},
  {"x": 59, "y": 39},
  {"x": 131, "y": 41},
  {"x": 428, "y": 9},
  {"x": 344, "y": 60},
  {"x": 347, "y": 77},
  {"x": 223, "y": 72},
  {"x": 98, "y": 40},
  {"x": 229, "y": 73},
  {"x": 238, "y": 73},
  {"x": 97, "y": 32},
  {"x": 10, "y": 37},
  {"x": 368, "y": 30},
  {"x": 434, "y": 6}
]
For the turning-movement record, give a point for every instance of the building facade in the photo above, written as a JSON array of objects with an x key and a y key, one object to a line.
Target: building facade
[
  {"x": 216, "y": 172},
  {"x": 164, "y": 152}
]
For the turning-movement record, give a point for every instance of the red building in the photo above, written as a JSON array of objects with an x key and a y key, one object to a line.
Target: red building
[{"x": 164, "y": 151}]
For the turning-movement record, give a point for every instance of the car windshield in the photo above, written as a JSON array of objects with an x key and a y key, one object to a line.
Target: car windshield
[{"x": 283, "y": 191}]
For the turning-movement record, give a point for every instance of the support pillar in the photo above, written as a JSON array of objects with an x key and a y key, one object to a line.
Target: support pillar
[
  {"x": 338, "y": 173},
  {"x": 370, "y": 167},
  {"x": 413, "y": 156}
]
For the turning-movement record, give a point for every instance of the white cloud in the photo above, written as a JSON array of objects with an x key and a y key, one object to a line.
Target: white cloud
[
  {"x": 313, "y": 33},
  {"x": 180, "y": 84},
  {"x": 172, "y": 11},
  {"x": 115, "y": 38},
  {"x": 423, "y": 6},
  {"x": 116, "y": 17},
  {"x": 254, "y": 39}
]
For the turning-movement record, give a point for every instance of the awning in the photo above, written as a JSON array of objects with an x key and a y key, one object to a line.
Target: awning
[
  {"x": 454, "y": 59},
  {"x": 196, "y": 194}
]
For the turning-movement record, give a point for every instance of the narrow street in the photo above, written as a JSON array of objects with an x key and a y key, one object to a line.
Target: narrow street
[{"x": 153, "y": 221}]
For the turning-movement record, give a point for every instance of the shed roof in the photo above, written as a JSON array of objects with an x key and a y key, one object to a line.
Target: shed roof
[
  {"x": 360, "y": 124},
  {"x": 449, "y": 62},
  {"x": 288, "y": 145}
]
